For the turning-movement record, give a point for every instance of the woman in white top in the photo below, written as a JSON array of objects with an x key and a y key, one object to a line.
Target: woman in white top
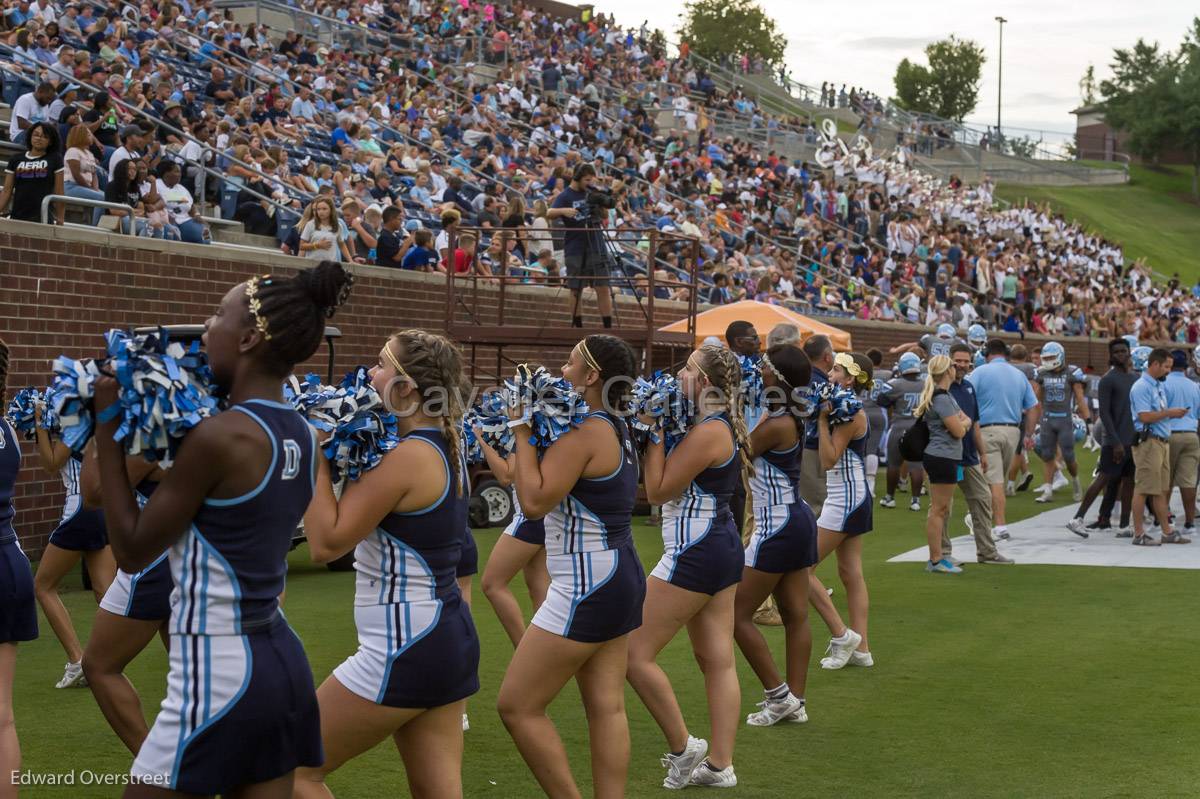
[
  {"x": 320, "y": 238},
  {"x": 180, "y": 208},
  {"x": 79, "y": 177}
]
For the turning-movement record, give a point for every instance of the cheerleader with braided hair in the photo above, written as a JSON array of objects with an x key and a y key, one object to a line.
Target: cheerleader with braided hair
[
  {"x": 695, "y": 581},
  {"x": 240, "y": 713},
  {"x": 418, "y": 652},
  {"x": 783, "y": 547},
  {"x": 583, "y": 486},
  {"x": 845, "y": 516},
  {"x": 18, "y": 611}
]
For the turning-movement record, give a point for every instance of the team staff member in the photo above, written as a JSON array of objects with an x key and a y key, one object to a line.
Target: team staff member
[
  {"x": 1151, "y": 449},
  {"x": 973, "y": 483},
  {"x": 819, "y": 350},
  {"x": 942, "y": 455},
  {"x": 1004, "y": 394},
  {"x": 1184, "y": 444}
]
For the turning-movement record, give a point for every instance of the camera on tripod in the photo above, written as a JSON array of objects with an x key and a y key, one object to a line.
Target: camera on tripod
[{"x": 601, "y": 199}]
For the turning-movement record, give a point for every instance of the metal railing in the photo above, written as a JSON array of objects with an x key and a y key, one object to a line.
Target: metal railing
[{"x": 67, "y": 199}]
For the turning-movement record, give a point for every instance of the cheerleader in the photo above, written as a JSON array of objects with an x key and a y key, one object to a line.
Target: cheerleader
[
  {"x": 240, "y": 713},
  {"x": 80, "y": 534},
  {"x": 418, "y": 653},
  {"x": 521, "y": 548},
  {"x": 585, "y": 486},
  {"x": 783, "y": 547},
  {"x": 845, "y": 516},
  {"x": 695, "y": 581},
  {"x": 18, "y": 611},
  {"x": 135, "y": 608}
]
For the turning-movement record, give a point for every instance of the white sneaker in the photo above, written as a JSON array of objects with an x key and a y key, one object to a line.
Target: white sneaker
[
  {"x": 679, "y": 767},
  {"x": 466, "y": 724},
  {"x": 72, "y": 677},
  {"x": 1076, "y": 490},
  {"x": 1000, "y": 534},
  {"x": 774, "y": 711},
  {"x": 800, "y": 716},
  {"x": 1060, "y": 481},
  {"x": 915, "y": 504},
  {"x": 840, "y": 650},
  {"x": 1010, "y": 489},
  {"x": 967, "y": 520},
  {"x": 1077, "y": 527},
  {"x": 863, "y": 659},
  {"x": 887, "y": 501},
  {"x": 1047, "y": 494},
  {"x": 703, "y": 775}
]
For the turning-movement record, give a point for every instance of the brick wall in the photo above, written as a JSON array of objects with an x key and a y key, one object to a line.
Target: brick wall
[{"x": 61, "y": 289}]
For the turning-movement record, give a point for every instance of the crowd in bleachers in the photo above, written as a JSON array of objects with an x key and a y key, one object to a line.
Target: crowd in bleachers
[{"x": 260, "y": 123}]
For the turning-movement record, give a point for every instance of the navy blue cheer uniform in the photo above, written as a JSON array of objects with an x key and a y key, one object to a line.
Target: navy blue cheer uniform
[
  {"x": 417, "y": 645},
  {"x": 80, "y": 529},
  {"x": 522, "y": 528},
  {"x": 597, "y": 583},
  {"x": 702, "y": 550},
  {"x": 848, "y": 507},
  {"x": 785, "y": 531},
  {"x": 240, "y": 705},
  {"x": 18, "y": 609},
  {"x": 146, "y": 595}
]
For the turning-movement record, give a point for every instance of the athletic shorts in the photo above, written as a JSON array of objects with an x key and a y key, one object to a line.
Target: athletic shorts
[
  {"x": 593, "y": 596},
  {"x": 1112, "y": 468},
  {"x": 943, "y": 471},
  {"x": 585, "y": 270},
  {"x": 1057, "y": 435},
  {"x": 18, "y": 609}
]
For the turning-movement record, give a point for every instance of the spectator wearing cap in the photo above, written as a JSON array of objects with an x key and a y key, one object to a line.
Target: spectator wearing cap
[
  {"x": 1184, "y": 443},
  {"x": 133, "y": 144}
]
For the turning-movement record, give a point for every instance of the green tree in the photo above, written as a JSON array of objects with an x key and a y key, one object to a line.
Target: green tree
[
  {"x": 948, "y": 86},
  {"x": 1138, "y": 98},
  {"x": 1187, "y": 102},
  {"x": 1087, "y": 86},
  {"x": 719, "y": 28}
]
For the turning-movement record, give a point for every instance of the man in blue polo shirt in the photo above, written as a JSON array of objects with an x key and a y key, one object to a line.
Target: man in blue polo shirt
[
  {"x": 1182, "y": 392},
  {"x": 974, "y": 463},
  {"x": 1004, "y": 394},
  {"x": 1151, "y": 449}
]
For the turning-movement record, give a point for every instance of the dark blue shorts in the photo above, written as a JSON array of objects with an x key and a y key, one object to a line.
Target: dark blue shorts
[
  {"x": 83, "y": 531},
  {"x": 707, "y": 563},
  {"x": 531, "y": 531},
  {"x": 594, "y": 596},
  {"x": 1112, "y": 468},
  {"x": 468, "y": 562},
  {"x": 239, "y": 709},
  {"x": 145, "y": 595},
  {"x": 784, "y": 540},
  {"x": 18, "y": 609}
]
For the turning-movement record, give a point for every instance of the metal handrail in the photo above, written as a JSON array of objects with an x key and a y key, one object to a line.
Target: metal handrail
[{"x": 67, "y": 199}]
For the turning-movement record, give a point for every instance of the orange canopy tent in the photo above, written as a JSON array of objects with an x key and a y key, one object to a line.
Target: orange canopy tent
[{"x": 764, "y": 317}]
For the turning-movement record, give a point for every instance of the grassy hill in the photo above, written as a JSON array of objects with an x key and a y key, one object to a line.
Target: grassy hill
[{"x": 1153, "y": 216}]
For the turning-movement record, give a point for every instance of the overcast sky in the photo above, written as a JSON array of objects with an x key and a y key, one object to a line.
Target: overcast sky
[{"x": 1047, "y": 44}]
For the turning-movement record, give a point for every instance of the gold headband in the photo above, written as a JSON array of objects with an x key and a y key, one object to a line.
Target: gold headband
[
  {"x": 587, "y": 356},
  {"x": 846, "y": 361},
  {"x": 387, "y": 350},
  {"x": 766, "y": 361},
  {"x": 260, "y": 321}
]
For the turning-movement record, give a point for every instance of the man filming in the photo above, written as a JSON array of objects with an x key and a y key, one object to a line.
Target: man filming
[{"x": 582, "y": 208}]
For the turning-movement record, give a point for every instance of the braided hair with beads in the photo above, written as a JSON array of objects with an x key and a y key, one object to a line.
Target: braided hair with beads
[
  {"x": 434, "y": 364},
  {"x": 724, "y": 372}
]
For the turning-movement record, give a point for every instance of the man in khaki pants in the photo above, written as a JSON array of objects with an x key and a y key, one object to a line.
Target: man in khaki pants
[
  {"x": 974, "y": 463},
  {"x": 1184, "y": 444},
  {"x": 1152, "y": 450}
]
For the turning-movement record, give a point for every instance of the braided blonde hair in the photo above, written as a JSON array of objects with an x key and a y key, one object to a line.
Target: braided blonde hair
[
  {"x": 434, "y": 362},
  {"x": 723, "y": 371},
  {"x": 938, "y": 366}
]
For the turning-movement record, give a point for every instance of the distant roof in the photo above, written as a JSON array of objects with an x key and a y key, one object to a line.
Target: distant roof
[{"x": 1094, "y": 108}]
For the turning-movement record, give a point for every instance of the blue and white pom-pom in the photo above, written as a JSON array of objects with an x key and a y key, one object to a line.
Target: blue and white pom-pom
[
  {"x": 843, "y": 402},
  {"x": 471, "y": 448},
  {"x": 22, "y": 412},
  {"x": 360, "y": 428},
  {"x": 549, "y": 405},
  {"x": 662, "y": 398},
  {"x": 70, "y": 399},
  {"x": 491, "y": 417},
  {"x": 752, "y": 386},
  {"x": 166, "y": 390}
]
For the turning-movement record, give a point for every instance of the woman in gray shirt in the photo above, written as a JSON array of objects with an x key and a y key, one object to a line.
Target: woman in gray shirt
[{"x": 943, "y": 456}]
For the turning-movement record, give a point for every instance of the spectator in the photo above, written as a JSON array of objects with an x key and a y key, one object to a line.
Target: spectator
[
  {"x": 79, "y": 176},
  {"x": 181, "y": 210},
  {"x": 29, "y": 109},
  {"x": 420, "y": 256},
  {"x": 33, "y": 175},
  {"x": 132, "y": 144},
  {"x": 391, "y": 250},
  {"x": 320, "y": 238}
]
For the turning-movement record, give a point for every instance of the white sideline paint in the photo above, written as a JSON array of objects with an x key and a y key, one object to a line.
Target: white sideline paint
[{"x": 1045, "y": 539}]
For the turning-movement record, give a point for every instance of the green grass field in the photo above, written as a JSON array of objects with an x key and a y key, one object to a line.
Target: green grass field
[
  {"x": 1153, "y": 216},
  {"x": 1029, "y": 681}
]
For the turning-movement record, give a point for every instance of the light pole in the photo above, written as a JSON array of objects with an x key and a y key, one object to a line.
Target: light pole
[{"x": 999, "y": 75}]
